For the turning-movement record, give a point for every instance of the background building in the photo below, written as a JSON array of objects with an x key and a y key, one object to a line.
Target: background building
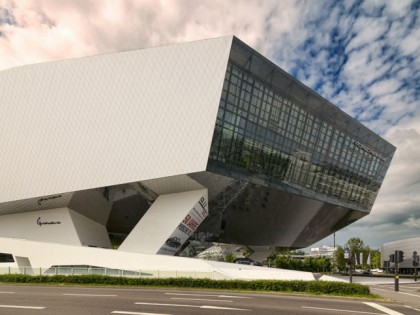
[
  {"x": 408, "y": 247},
  {"x": 203, "y": 141},
  {"x": 323, "y": 251}
]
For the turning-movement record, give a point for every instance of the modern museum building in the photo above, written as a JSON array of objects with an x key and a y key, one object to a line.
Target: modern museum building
[{"x": 125, "y": 160}]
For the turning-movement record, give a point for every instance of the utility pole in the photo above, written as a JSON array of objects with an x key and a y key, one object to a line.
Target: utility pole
[
  {"x": 397, "y": 277},
  {"x": 399, "y": 257}
]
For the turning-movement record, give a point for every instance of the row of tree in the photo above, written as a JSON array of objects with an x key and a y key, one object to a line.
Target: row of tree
[
  {"x": 366, "y": 258},
  {"x": 312, "y": 264}
]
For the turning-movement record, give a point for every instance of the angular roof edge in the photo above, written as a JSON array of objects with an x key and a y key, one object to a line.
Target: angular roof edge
[
  {"x": 112, "y": 52},
  {"x": 272, "y": 75}
]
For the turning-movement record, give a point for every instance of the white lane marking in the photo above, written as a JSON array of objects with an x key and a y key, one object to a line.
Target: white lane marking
[
  {"x": 136, "y": 313},
  {"x": 23, "y": 307},
  {"x": 194, "y": 306},
  {"x": 4, "y": 292},
  {"x": 410, "y": 289},
  {"x": 383, "y": 308},
  {"x": 223, "y": 308},
  {"x": 75, "y": 294},
  {"x": 208, "y": 300},
  {"x": 212, "y": 295},
  {"x": 166, "y": 304},
  {"x": 338, "y": 310},
  {"x": 235, "y": 297},
  {"x": 410, "y": 294},
  {"x": 417, "y": 295}
]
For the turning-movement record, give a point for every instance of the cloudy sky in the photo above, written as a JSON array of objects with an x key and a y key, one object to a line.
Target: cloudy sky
[{"x": 364, "y": 56}]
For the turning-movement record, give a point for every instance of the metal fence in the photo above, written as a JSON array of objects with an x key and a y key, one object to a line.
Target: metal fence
[{"x": 69, "y": 270}]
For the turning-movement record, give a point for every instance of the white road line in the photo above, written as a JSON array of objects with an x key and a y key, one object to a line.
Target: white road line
[
  {"x": 383, "y": 308},
  {"x": 136, "y": 313},
  {"x": 416, "y": 295},
  {"x": 338, "y": 310},
  {"x": 392, "y": 289},
  {"x": 4, "y": 292},
  {"x": 410, "y": 289},
  {"x": 211, "y": 295},
  {"x": 105, "y": 295},
  {"x": 23, "y": 307},
  {"x": 223, "y": 308},
  {"x": 208, "y": 300},
  {"x": 194, "y": 306},
  {"x": 235, "y": 297}
]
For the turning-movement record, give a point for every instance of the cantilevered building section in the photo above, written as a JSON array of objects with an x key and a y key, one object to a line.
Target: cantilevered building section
[{"x": 202, "y": 141}]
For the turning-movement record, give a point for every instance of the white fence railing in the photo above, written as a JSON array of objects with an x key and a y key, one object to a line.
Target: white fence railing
[{"x": 111, "y": 272}]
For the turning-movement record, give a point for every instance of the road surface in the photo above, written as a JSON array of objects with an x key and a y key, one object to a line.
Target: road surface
[{"x": 66, "y": 300}]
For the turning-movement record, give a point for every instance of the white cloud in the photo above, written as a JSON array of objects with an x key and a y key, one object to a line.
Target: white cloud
[
  {"x": 397, "y": 9},
  {"x": 410, "y": 44},
  {"x": 367, "y": 30},
  {"x": 412, "y": 223},
  {"x": 48, "y": 30}
]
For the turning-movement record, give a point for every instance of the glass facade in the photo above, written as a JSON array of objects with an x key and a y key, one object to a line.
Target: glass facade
[
  {"x": 264, "y": 132},
  {"x": 6, "y": 258}
]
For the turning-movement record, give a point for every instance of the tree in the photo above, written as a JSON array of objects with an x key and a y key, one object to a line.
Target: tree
[
  {"x": 339, "y": 258},
  {"x": 376, "y": 258},
  {"x": 298, "y": 252},
  {"x": 357, "y": 247},
  {"x": 311, "y": 264},
  {"x": 230, "y": 257}
]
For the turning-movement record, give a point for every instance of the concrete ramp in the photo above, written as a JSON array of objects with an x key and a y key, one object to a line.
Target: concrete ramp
[
  {"x": 247, "y": 272},
  {"x": 41, "y": 256}
]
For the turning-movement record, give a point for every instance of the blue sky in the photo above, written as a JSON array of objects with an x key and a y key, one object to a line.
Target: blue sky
[{"x": 363, "y": 56}]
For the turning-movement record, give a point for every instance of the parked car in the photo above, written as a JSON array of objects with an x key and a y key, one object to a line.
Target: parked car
[{"x": 246, "y": 261}]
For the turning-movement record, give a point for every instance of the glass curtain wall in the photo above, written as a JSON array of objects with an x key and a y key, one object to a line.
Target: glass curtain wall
[{"x": 265, "y": 133}]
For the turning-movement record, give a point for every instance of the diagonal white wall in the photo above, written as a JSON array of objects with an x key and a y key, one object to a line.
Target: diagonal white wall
[
  {"x": 109, "y": 119},
  {"x": 171, "y": 217}
]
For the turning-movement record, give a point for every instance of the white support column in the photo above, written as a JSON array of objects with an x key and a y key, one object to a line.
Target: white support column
[{"x": 168, "y": 223}]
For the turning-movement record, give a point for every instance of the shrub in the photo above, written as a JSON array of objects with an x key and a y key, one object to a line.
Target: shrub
[{"x": 312, "y": 287}]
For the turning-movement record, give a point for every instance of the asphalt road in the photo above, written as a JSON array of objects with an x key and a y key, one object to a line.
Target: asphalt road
[
  {"x": 61, "y": 300},
  {"x": 408, "y": 294}
]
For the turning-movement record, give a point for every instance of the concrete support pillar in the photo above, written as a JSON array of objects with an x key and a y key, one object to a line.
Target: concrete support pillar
[{"x": 168, "y": 223}]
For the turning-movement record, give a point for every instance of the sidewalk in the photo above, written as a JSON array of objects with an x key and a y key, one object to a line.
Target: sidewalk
[{"x": 408, "y": 294}]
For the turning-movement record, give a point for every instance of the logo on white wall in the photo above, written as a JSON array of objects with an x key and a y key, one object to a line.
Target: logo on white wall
[
  {"x": 41, "y": 223},
  {"x": 40, "y": 200}
]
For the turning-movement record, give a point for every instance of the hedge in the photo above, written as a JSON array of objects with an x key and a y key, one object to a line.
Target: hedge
[{"x": 298, "y": 286}]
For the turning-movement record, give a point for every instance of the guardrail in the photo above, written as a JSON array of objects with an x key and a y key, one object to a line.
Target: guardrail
[{"x": 70, "y": 270}]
